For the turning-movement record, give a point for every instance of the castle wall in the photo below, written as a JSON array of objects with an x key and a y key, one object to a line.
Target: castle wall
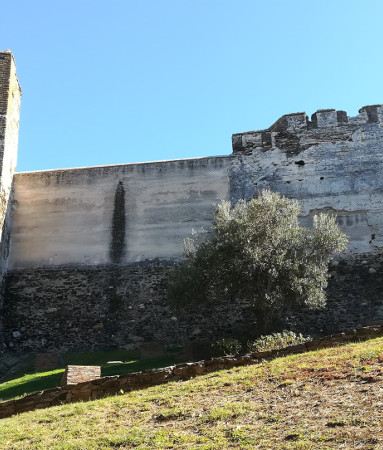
[
  {"x": 91, "y": 248},
  {"x": 114, "y": 214},
  {"x": 331, "y": 164},
  {"x": 127, "y": 213}
]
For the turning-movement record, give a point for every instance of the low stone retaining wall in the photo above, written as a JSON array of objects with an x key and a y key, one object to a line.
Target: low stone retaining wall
[{"x": 113, "y": 385}]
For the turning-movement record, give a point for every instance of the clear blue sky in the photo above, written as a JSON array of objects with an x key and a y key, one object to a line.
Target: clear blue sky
[{"x": 133, "y": 80}]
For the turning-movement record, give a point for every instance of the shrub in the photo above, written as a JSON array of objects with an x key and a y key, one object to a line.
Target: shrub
[
  {"x": 276, "y": 341},
  {"x": 227, "y": 346},
  {"x": 258, "y": 253}
]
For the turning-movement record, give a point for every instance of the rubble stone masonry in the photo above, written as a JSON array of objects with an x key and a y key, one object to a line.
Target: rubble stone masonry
[{"x": 61, "y": 309}]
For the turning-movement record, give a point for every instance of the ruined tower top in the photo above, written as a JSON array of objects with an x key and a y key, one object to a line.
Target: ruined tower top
[
  {"x": 9, "y": 83},
  {"x": 290, "y": 130}
]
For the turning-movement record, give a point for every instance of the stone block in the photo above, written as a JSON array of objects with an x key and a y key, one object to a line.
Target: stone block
[
  {"x": 75, "y": 374},
  {"x": 325, "y": 118}
]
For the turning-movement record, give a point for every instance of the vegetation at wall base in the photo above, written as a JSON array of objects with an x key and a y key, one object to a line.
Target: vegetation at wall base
[
  {"x": 269, "y": 342},
  {"x": 276, "y": 341}
]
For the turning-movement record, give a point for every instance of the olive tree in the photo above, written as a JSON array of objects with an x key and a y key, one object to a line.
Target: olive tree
[{"x": 258, "y": 252}]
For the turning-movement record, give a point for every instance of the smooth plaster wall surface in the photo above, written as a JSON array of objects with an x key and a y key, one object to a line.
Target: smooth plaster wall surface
[{"x": 115, "y": 214}]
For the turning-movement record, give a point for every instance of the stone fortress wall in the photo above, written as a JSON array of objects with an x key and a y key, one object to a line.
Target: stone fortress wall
[
  {"x": 81, "y": 216},
  {"x": 90, "y": 248}
]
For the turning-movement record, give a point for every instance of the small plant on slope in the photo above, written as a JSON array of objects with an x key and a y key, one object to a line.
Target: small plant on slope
[{"x": 277, "y": 341}]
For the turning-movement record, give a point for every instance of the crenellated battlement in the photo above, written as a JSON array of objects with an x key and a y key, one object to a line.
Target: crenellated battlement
[{"x": 331, "y": 123}]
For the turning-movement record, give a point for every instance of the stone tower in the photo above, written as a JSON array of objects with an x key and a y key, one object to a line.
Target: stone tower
[{"x": 10, "y": 94}]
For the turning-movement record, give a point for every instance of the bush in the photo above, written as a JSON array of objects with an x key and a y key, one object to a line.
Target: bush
[
  {"x": 276, "y": 341},
  {"x": 258, "y": 253},
  {"x": 227, "y": 346}
]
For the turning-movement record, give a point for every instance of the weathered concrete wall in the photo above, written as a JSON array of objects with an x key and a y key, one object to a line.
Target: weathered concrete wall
[
  {"x": 332, "y": 163},
  {"x": 115, "y": 214}
]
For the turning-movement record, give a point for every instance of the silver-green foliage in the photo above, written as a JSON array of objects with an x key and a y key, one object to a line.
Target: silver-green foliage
[
  {"x": 276, "y": 341},
  {"x": 257, "y": 252}
]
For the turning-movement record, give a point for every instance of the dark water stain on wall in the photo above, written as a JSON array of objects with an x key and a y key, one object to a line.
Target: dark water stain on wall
[
  {"x": 118, "y": 240},
  {"x": 241, "y": 184}
]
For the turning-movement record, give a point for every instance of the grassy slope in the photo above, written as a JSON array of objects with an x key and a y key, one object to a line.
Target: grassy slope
[{"x": 327, "y": 399}]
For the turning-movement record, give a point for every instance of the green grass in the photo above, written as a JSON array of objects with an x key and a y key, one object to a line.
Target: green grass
[
  {"x": 32, "y": 382},
  {"x": 328, "y": 399}
]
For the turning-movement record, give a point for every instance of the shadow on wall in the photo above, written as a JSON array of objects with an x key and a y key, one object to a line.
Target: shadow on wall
[
  {"x": 118, "y": 244},
  {"x": 5, "y": 221}
]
